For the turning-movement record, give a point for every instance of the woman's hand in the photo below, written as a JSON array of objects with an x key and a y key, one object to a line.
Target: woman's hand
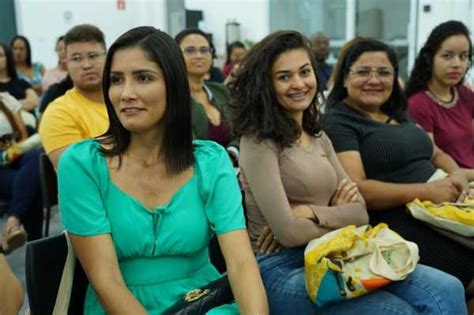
[
  {"x": 459, "y": 180},
  {"x": 232, "y": 74},
  {"x": 267, "y": 243},
  {"x": 346, "y": 192},
  {"x": 439, "y": 191},
  {"x": 304, "y": 212}
]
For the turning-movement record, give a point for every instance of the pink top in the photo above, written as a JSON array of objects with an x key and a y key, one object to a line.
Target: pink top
[
  {"x": 227, "y": 69},
  {"x": 53, "y": 75},
  {"x": 452, "y": 128}
]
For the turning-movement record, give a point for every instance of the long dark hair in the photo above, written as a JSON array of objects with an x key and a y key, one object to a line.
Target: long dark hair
[
  {"x": 396, "y": 105},
  {"x": 423, "y": 68},
  {"x": 177, "y": 138},
  {"x": 231, "y": 47},
  {"x": 27, "y": 45},
  {"x": 255, "y": 108},
  {"x": 11, "y": 70}
]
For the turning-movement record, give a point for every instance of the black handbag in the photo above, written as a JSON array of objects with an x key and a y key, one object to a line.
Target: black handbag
[{"x": 200, "y": 301}]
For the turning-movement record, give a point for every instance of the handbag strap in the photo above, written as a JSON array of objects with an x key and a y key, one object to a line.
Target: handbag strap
[
  {"x": 65, "y": 287},
  {"x": 381, "y": 267}
]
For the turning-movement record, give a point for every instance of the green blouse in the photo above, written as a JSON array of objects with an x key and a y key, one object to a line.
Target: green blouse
[
  {"x": 162, "y": 253},
  {"x": 220, "y": 99}
]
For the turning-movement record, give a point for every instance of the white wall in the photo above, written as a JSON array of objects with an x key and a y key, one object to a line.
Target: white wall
[
  {"x": 253, "y": 16},
  {"x": 442, "y": 11},
  {"x": 43, "y": 21}
]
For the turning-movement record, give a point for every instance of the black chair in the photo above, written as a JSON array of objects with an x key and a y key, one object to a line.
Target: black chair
[
  {"x": 3, "y": 207},
  {"x": 49, "y": 189},
  {"x": 44, "y": 264}
]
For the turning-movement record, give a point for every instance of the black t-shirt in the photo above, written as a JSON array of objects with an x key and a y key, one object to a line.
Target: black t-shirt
[
  {"x": 390, "y": 153},
  {"x": 56, "y": 90},
  {"x": 16, "y": 87}
]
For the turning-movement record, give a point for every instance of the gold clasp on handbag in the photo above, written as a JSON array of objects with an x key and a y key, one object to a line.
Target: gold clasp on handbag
[{"x": 195, "y": 294}]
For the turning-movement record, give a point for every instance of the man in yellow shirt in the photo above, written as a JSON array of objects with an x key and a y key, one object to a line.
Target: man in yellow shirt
[{"x": 80, "y": 113}]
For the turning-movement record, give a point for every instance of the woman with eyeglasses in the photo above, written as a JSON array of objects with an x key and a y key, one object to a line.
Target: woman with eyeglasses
[
  {"x": 209, "y": 99},
  {"x": 296, "y": 189},
  {"x": 389, "y": 157},
  {"x": 437, "y": 98}
]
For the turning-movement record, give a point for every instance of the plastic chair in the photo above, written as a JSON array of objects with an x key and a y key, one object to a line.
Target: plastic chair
[
  {"x": 49, "y": 189},
  {"x": 44, "y": 264}
]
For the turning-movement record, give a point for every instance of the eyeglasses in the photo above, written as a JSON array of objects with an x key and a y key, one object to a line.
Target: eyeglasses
[
  {"x": 93, "y": 57},
  {"x": 365, "y": 72},
  {"x": 191, "y": 50}
]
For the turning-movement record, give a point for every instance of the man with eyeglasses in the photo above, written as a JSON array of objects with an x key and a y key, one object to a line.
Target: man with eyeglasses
[{"x": 80, "y": 113}]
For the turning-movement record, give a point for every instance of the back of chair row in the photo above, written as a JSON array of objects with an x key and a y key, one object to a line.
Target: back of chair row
[
  {"x": 49, "y": 188},
  {"x": 44, "y": 266}
]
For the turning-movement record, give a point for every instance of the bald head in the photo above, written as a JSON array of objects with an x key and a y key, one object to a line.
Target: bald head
[{"x": 320, "y": 46}]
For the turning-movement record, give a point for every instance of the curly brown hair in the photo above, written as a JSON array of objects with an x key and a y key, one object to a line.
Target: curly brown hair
[{"x": 255, "y": 109}]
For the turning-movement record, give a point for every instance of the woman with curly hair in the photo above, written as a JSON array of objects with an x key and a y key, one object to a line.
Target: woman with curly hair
[
  {"x": 437, "y": 97},
  {"x": 296, "y": 189}
]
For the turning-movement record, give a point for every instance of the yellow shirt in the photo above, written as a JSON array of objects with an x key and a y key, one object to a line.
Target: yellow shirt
[{"x": 71, "y": 118}]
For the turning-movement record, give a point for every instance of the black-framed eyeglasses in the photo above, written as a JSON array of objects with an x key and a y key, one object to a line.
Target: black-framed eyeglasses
[{"x": 93, "y": 57}]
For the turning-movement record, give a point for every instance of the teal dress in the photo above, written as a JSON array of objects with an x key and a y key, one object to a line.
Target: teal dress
[
  {"x": 36, "y": 78},
  {"x": 162, "y": 253}
]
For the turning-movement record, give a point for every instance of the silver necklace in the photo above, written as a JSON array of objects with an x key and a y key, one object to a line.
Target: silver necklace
[{"x": 447, "y": 105}]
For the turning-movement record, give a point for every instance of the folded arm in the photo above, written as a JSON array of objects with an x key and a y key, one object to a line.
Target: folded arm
[
  {"x": 30, "y": 101},
  {"x": 381, "y": 195},
  {"x": 260, "y": 165}
]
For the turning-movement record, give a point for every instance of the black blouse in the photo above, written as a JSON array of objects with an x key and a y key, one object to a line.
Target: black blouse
[
  {"x": 16, "y": 87},
  {"x": 391, "y": 153}
]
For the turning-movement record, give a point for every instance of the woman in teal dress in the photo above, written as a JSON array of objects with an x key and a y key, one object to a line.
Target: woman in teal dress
[{"x": 141, "y": 203}]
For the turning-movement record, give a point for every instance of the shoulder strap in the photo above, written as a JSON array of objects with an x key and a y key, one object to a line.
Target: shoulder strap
[
  {"x": 64, "y": 292},
  {"x": 10, "y": 118}
]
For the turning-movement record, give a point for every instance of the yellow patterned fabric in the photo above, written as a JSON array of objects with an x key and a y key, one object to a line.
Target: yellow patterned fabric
[
  {"x": 455, "y": 217},
  {"x": 350, "y": 262}
]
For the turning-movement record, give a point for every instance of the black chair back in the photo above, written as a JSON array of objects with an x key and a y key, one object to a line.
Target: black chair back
[
  {"x": 49, "y": 188},
  {"x": 44, "y": 264}
]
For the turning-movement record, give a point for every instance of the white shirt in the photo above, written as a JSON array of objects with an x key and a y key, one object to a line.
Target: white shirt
[{"x": 14, "y": 106}]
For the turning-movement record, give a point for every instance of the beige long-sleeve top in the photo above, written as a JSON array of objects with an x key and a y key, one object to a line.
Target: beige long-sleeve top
[{"x": 275, "y": 181}]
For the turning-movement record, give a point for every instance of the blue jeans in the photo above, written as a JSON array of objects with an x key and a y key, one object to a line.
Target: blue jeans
[
  {"x": 425, "y": 291},
  {"x": 20, "y": 186}
]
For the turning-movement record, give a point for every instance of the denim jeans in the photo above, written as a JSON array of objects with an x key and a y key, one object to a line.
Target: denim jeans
[
  {"x": 20, "y": 186},
  {"x": 425, "y": 291}
]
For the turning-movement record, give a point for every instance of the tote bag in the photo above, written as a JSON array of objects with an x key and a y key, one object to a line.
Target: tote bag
[{"x": 352, "y": 261}]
